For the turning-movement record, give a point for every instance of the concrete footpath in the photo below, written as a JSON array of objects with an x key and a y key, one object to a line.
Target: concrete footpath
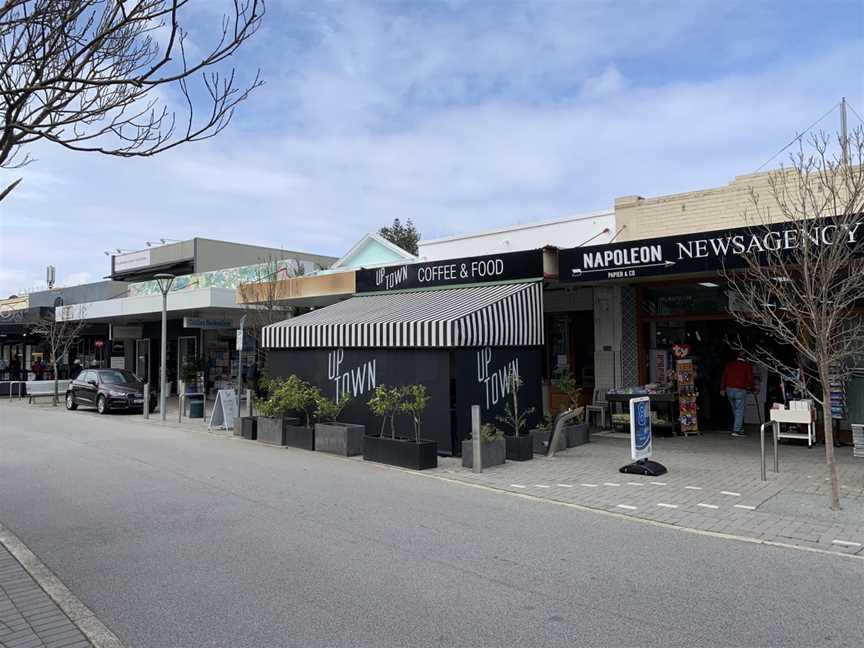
[{"x": 713, "y": 485}]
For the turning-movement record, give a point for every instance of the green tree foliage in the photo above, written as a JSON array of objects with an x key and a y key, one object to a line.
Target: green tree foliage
[{"x": 405, "y": 236}]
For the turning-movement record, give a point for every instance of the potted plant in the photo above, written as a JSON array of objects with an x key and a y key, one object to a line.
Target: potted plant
[
  {"x": 518, "y": 442},
  {"x": 301, "y": 398},
  {"x": 189, "y": 376},
  {"x": 275, "y": 413},
  {"x": 542, "y": 435},
  {"x": 576, "y": 431},
  {"x": 400, "y": 450},
  {"x": 333, "y": 436},
  {"x": 493, "y": 447}
]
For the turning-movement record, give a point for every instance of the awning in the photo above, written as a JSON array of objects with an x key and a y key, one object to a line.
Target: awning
[{"x": 492, "y": 315}]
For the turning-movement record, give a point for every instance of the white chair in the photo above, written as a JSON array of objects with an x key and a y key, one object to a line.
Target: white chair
[{"x": 598, "y": 406}]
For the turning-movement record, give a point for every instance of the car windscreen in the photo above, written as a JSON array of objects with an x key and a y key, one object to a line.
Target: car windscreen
[{"x": 118, "y": 377}]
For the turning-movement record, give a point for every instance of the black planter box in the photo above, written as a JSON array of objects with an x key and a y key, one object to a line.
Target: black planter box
[
  {"x": 249, "y": 427},
  {"x": 299, "y": 436},
  {"x": 418, "y": 455},
  {"x": 492, "y": 453},
  {"x": 345, "y": 439},
  {"x": 577, "y": 434},
  {"x": 520, "y": 448},
  {"x": 274, "y": 430}
]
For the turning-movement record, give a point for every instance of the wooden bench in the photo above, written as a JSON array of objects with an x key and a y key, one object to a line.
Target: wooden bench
[{"x": 45, "y": 389}]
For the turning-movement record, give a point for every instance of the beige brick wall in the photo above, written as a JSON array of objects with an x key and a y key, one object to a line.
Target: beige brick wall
[{"x": 693, "y": 211}]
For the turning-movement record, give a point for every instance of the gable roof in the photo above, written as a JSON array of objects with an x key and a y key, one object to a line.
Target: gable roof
[{"x": 369, "y": 241}]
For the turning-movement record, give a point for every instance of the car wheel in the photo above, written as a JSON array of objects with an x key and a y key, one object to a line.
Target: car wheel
[
  {"x": 101, "y": 405},
  {"x": 70, "y": 402}
]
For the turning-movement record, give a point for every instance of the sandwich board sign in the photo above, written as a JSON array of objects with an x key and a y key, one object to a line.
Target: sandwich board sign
[
  {"x": 640, "y": 428},
  {"x": 224, "y": 410}
]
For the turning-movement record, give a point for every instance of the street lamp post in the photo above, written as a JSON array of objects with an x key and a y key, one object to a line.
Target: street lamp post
[{"x": 164, "y": 280}]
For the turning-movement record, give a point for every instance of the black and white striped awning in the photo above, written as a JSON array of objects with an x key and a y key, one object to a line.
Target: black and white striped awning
[{"x": 499, "y": 315}]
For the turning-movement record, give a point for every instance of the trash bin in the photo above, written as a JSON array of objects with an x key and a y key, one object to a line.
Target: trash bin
[{"x": 196, "y": 405}]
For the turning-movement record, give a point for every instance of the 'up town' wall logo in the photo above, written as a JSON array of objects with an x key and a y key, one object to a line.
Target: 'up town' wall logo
[
  {"x": 353, "y": 382},
  {"x": 495, "y": 381}
]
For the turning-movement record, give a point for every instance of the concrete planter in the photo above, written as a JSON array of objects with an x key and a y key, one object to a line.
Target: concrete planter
[
  {"x": 344, "y": 439},
  {"x": 541, "y": 440},
  {"x": 248, "y": 427},
  {"x": 492, "y": 453},
  {"x": 519, "y": 448},
  {"x": 273, "y": 430},
  {"x": 299, "y": 436},
  {"x": 418, "y": 455},
  {"x": 577, "y": 434}
]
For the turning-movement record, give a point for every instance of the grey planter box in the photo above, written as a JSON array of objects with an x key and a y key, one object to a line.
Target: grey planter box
[
  {"x": 299, "y": 436},
  {"x": 541, "y": 441},
  {"x": 492, "y": 454},
  {"x": 344, "y": 439},
  {"x": 577, "y": 434},
  {"x": 273, "y": 430}
]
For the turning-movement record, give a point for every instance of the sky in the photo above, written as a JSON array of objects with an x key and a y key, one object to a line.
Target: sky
[{"x": 460, "y": 115}]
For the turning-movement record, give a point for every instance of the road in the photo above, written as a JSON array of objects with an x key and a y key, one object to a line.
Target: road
[{"x": 182, "y": 538}]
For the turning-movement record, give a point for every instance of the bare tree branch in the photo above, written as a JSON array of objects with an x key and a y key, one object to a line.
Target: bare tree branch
[
  {"x": 86, "y": 74},
  {"x": 59, "y": 334},
  {"x": 801, "y": 281}
]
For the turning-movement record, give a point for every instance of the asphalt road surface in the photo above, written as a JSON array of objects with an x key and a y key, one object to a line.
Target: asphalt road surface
[{"x": 180, "y": 538}]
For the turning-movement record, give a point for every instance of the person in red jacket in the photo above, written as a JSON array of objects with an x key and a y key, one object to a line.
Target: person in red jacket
[{"x": 736, "y": 382}]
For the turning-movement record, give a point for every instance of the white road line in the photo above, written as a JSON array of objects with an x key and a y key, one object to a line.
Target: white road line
[
  {"x": 732, "y": 493},
  {"x": 664, "y": 505},
  {"x": 589, "y": 485},
  {"x": 610, "y": 484},
  {"x": 711, "y": 506},
  {"x": 693, "y": 487},
  {"x": 626, "y": 506},
  {"x": 635, "y": 484},
  {"x": 541, "y": 486},
  {"x": 846, "y": 543},
  {"x": 517, "y": 485},
  {"x": 565, "y": 485},
  {"x": 659, "y": 483},
  {"x": 744, "y": 506}
]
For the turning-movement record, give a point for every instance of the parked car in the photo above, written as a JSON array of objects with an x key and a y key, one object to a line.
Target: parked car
[{"x": 106, "y": 390}]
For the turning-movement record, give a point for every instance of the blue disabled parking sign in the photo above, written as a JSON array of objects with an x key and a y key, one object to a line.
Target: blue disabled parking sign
[{"x": 640, "y": 428}]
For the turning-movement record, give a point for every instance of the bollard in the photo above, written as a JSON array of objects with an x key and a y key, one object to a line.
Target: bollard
[
  {"x": 477, "y": 464},
  {"x": 249, "y": 403},
  {"x": 775, "y": 428},
  {"x": 147, "y": 400}
]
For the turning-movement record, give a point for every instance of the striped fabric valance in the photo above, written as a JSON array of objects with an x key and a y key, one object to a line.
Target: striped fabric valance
[{"x": 500, "y": 315}]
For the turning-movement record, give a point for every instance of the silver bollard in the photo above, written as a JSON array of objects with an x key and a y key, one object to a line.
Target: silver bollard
[
  {"x": 249, "y": 403},
  {"x": 776, "y": 430},
  {"x": 477, "y": 464},
  {"x": 147, "y": 400}
]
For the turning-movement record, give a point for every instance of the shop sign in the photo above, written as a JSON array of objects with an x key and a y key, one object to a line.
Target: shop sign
[
  {"x": 690, "y": 253},
  {"x": 351, "y": 380},
  {"x": 124, "y": 332},
  {"x": 203, "y": 323},
  {"x": 131, "y": 260},
  {"x": 640, "y": 428},
  {"x": 507, "y": 266}
]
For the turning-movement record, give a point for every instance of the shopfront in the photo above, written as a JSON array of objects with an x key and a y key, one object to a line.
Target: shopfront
[{"x": 461, "y": 327}]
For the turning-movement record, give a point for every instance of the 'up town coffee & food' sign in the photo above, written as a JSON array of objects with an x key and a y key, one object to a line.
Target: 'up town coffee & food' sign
[
  {"x": 691, "y": 253},
  {"x": 507, "y": 266}
]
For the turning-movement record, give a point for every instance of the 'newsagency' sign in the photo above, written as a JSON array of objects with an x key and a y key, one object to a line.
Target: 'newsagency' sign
[
  {"x": 699, "y": 252},
  {"x": 507, "y": 266}
]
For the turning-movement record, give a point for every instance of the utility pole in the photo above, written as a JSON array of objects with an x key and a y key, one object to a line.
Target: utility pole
[{"x": 844, "y": 137}]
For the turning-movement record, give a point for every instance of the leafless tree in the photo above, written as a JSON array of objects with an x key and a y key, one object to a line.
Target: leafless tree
[
  {"x": 264, "y": 296},
  {"x": 801, "y": 283},
  {"x": 92, "y": 75},
  {"x": 58, "y": 335}
]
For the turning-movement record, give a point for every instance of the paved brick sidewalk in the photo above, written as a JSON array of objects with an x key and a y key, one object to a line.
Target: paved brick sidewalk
[
  {"x": 28, "y": 616},
  {"x": 713, "y": 484}
]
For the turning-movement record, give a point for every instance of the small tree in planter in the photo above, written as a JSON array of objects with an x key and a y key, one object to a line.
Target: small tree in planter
[
  {"x": 332, "y": 436},
  {"x": 415, "y": 453},
  {"x": 519, "y": 444},
  {"x": 493, "y": 447},
  {"x": 576, "y": 430},
  {"x": 288, "y": 396}
]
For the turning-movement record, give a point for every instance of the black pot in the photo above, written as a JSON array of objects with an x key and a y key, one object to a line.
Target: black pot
[
  {"x": 249, "y": 427},
  {"x": 300, "y": 436},
  {"x": 417, "y": 455},
  {"x": 274, "y": 430},
  {"x": 520, "y": 448}
]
